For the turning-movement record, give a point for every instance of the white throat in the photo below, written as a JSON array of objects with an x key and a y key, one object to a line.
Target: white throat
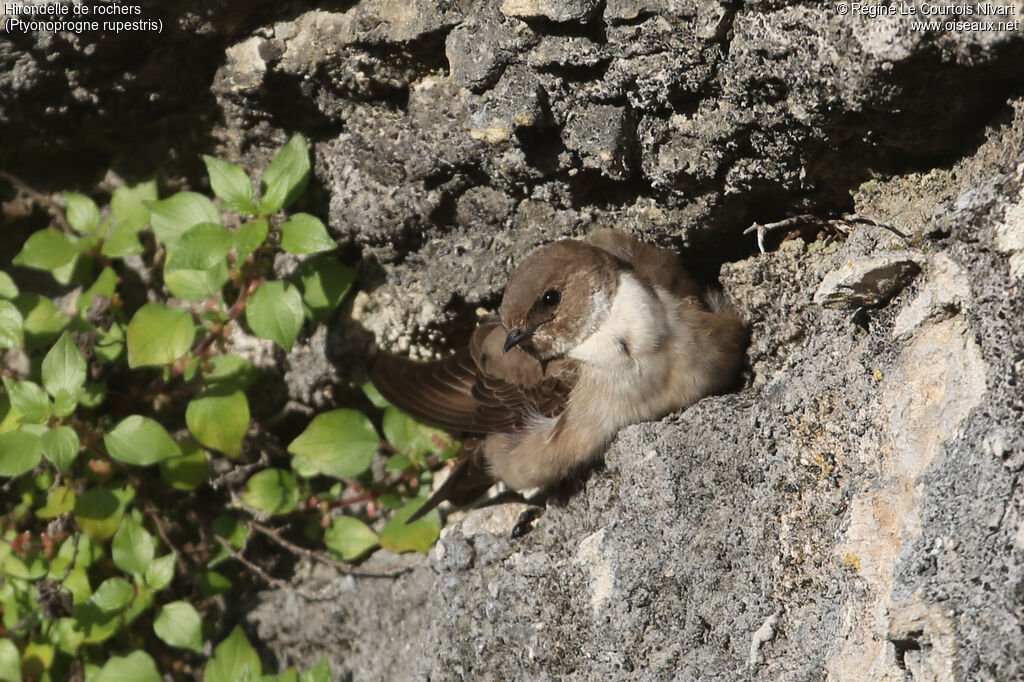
[{"x": 636, "y": 326}]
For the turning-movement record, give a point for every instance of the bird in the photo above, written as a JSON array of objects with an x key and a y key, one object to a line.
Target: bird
[{"x": 591, "y": 335}]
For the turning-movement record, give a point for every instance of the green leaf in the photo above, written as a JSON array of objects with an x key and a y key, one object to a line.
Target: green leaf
[
  {"x": 178, "y": 624},
  {"x": 60, "y": 445},
  {"x": 158, "y": 335},
  {"x": 65, "y": 402},
  {"x": 113, "y": 594},
  {"x": 201, "y": 247},
  {"x": 104, "y": 286},
  {"x": 374, "y": 395},
  {"x": 189, "y": 471},
  {"x": 28, "y": 400},
  {"x": 46, "y": 249},
  {"x": 233, "y": 659},
  {"x": 419, "y": 536},
  {"x": 82, "y": 213},
  {"x": 129, "y": 204},
  {"x": 400, "y": 430},
  {"x": 160, "y": 572},
  {"x": 249, "y": 237},
  {"x": 339, "y": 443},
  {"x": 36, "y": 658},
  {"x": 289, "y": 675},
  {"x": 230, "y": 372},
  {"x": 42, "y": 321},
  {"x": 324, "y": 282},
  {"x": 213, "y": 583},
  {"x": 321, "y": 672},
  {"x": 64, "y": 366},
  {"x": 122, "y": 240},
  {"x": 10, "y": 325},
  {"x": 230, "y": 183},
  {"x": 10, "y": 661},
  {"x": 80, "y": 548},
  {"x": 8, "y": 289},
  {"x": 142, "y": 602},
  {"x": 172, "y": 217},
  {"x": 130, "y": 216},
  {"x": 21, "y": 452},
  {"x": 110, "y": 345},
  {"x": 304, "y": 467},
  {"x": 219, "y": 420},
  {"x": 132, "y": 547},
  {"x": 411, "y": 437},
  {"x": 196, "y": 285},
  {"x": 349, "y": 538},
  {"x": 285, "y": 179},
  {"x": 77, "y": 583},
  {"x": 93, "y": 394},
  {"x": 99, "y": 510},
  {"x": 229, "y": 528},
  {"x": 61, "y": 500},
  {"x": 90, "y": 625},
  {"x": 75, "y": 271},
  {"x": 391, "y": 500},
  {"x": 398, "y": 462},
  {"x": 275, "y": 312},
  {"x": 303, "y": 234},
  {"x": 140, "y": 441},
  {"x": 273, "y": 491},
  {"x": 135, "y": 667}
]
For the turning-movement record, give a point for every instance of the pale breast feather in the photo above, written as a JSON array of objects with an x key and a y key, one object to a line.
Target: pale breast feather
[{"x": 635, "y": 326}]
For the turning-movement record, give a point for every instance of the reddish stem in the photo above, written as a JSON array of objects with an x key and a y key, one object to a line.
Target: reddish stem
[{"x": 233, "y": 314}]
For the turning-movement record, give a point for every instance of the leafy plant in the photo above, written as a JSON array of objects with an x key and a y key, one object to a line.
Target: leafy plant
[{"x": 114, "y": 417}]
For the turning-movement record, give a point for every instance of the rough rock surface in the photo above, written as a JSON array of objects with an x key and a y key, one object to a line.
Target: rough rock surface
[{"x": 854, "y": 512}]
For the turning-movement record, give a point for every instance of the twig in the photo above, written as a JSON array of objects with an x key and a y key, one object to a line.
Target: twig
[
  {"x": 847, "y": 219},
  {"x": 269, "y": 579},
  {"x": 162, "y": 532},
  {"x": 289, "y": 545},
  {"x": 319, "y": 556},
  {"x": 870, "y": 220},
  {"x": 365, "y": 497},
  {"x": 232, "y": 315},
  {"x": 238, "y": 472},
  {"x": 763, "y": 229},
  {"x": 235, "y": 554},
  {"x": 51, "y": 205}
]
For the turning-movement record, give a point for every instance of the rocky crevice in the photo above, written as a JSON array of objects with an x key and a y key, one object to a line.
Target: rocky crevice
[{"x": 851, "y": 512}]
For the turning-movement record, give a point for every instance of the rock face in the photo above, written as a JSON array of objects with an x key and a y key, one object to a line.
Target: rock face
[{"x": 854, "y": 512}]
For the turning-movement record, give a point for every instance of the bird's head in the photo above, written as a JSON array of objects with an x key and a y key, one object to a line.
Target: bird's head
[{"x": 557, "y": 297}]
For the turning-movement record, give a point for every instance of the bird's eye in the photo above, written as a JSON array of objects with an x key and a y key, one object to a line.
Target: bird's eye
[{"x": 552, "y": 297}]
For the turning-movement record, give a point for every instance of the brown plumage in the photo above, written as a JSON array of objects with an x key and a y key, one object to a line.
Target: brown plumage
[{"x": 592, "y": 336}]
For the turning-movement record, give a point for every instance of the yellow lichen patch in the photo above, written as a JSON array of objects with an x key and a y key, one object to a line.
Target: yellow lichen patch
[
  {"x": 851, "y": 560},
  {"x": 826, "y": 466}
]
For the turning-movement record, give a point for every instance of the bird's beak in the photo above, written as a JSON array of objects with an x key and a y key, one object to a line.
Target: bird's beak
[{"x": 515, "y": 336}]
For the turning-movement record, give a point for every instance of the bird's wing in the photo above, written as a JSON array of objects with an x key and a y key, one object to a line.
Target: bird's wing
[
  {"x": 439, "y": 393},
  {"x": 480, "y": 389},
  {"x": 660, "y": 267}
]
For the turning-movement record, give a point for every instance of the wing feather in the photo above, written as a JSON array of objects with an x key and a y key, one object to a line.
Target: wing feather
[{"x": 478, "y": 390}]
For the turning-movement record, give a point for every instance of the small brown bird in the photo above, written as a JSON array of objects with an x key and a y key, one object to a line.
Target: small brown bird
[{"x": 591, "y": 336}]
